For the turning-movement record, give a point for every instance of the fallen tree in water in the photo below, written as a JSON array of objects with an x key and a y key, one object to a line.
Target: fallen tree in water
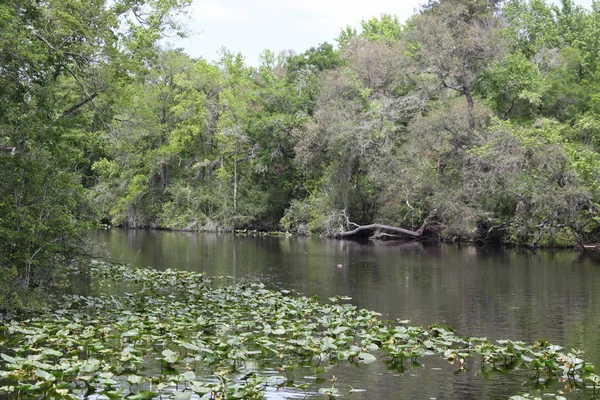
[{"x": 381, "y": 231}]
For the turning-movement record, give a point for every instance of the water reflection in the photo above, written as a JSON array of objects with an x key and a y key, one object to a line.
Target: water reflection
[{"x": 492, "y": 292}]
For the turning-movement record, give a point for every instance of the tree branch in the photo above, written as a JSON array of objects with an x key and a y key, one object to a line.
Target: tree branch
[
  {"x": 12, "y": 149},
  {"x": 401, "y": 231},
  {"x": 79, "y": 105},
  {"x": 67, "y": 53}
]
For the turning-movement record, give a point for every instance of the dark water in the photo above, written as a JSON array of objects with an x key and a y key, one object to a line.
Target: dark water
[{"x": 489, "y": 292}]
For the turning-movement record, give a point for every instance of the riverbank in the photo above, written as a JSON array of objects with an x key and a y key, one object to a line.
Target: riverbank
[{"x": 376, "y": 237}]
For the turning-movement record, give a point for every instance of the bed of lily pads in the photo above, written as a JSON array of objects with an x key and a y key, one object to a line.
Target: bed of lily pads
[{"x": 183, "y": 335}]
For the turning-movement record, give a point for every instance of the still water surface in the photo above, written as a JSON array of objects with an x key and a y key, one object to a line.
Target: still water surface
[{"x": 487, "y": 292}]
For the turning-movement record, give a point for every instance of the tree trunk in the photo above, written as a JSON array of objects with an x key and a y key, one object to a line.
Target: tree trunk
[
  {"x": 471, "y": 105},
  {"x": 373, "y": 227},
  {"x": 163, "y": 175},
  {"x": 235, "y": 182},
  {"x": 467, "y": 92},
  {"x": 131, "y": 217}
]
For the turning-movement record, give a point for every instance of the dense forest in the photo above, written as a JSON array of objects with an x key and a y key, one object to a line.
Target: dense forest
[{"x": 474, "y": 120}]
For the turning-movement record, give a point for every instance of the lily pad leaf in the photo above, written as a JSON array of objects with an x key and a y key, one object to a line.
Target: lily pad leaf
[
  {"x": 135, "y": 379},
  {"x": 189, "y": 346},
  {"x": 182, "y": 395},
  {"x": 113, "y": 394},
  {"x": 8, "y": 358},
  {"x": 143, "y": 395},
  {"x": 52, "y": 352},
  {"x": 41, "y": 365},
  {"x": 170, "y": 356},
  {"x": 47, "y": 376},
  {"x": 199, "y": 389},
  {"x": 340, "y": 329},
  {"x": 367, "y": 358},
  {"x": 131, "y": 333},
  {"x": 188, "y": 376},
  {"x": 90, "y": 365}
]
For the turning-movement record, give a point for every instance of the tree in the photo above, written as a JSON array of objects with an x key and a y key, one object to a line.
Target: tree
[
  {"x": 475, "y": 9},
  {"x": 167, "y": 125},
  {"x": 531, "y": 26},
  {"x": 590, "y": 39},
  {"x": 514, "y": 87},
  {"x": 455, "y": 46},
  {"x": 357, "y": 120},
  {"x": 60, "y": 64},
  {"x": 535, "y": 188},
  {"x": 303, "y": 72},
  {"x": 386, "y": 28}
]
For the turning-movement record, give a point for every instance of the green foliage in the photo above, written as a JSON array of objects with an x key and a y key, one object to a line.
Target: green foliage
[
  {"x": 322, "y": 57},
  {"x": 514, "y": 87},
  {"x": 532, "y": 26},
  {"x": 346, "y": 35},
  {"x": 296, "y": 218},
  {"x": 202, "y": 146},
  {"x": 62, "y": 63},
  {"x": 385, "y": 28}
]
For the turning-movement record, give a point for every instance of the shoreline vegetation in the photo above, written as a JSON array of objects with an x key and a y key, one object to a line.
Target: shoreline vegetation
[
  {"x": 466, "y": 123},
  {"x": 376, "y": 235},
  {"x": 182, "y": 334}
]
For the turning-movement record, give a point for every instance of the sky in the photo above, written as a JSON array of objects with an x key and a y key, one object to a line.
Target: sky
[{"x": 251, "y": 26}]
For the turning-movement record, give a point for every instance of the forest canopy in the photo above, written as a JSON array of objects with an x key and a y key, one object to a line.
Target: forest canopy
[{"x": 474, "y": 120}]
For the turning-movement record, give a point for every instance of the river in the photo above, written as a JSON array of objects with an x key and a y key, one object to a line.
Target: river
[{"x": 489, "y": 292}]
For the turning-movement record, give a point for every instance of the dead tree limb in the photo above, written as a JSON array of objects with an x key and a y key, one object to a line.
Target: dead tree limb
[
  {"x": 11, "y": 149},
  {"x": 385, "y": 228},
  {"x": 378, "y": 235}
]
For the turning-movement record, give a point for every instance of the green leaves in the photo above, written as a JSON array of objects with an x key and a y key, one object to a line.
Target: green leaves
[
  {"x": 169, "y": 356},
  {"x": 385, "y": 28},
  {"x": 46, "y": 376},
  {"x": 135, "y": 379},
  {"x": 7, "y": 358},
  {"x": 66, "y": 65},
  {"x": 514, "y": 87},
  {"x": 225, "y": 341},
  {"x": 90, "y": 365},
  {"x": 367, "y": 358}
]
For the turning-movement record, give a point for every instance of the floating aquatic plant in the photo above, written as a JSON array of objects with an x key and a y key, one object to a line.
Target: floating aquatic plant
[{"x": 181, "y": 334}]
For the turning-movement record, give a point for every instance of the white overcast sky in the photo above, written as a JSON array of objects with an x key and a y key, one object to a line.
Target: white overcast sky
[{"x": 251, "y": 26}]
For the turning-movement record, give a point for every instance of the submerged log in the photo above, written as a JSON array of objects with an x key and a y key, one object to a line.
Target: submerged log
[
  {"x": 379, "y": 235},
  {"x": 593, "y": 246},
  {"x": 385, "y": 228}
]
